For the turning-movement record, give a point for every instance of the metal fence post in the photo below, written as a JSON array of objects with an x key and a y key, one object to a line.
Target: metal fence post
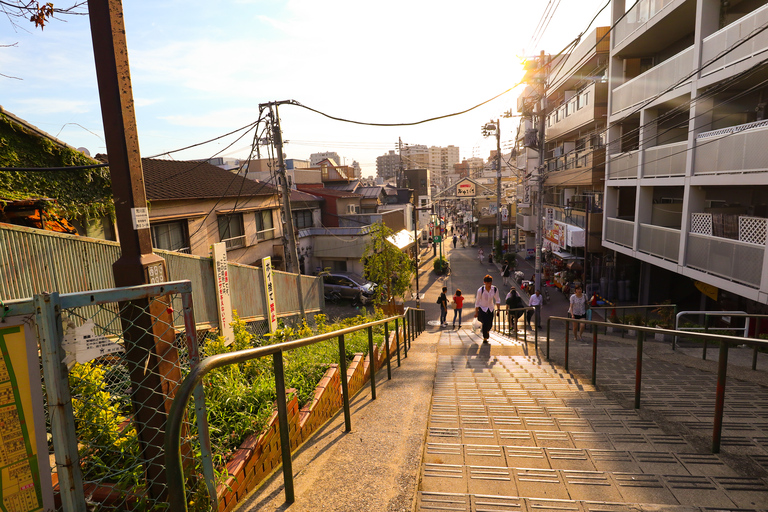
[
  {"x": 639, "y": 367},
  {"x": 282, "y": 419},
  {"x": 594, "y": 355},
  {"x": 344, "y": 384},
  {"x": 49, "y": 332},
  {"x": 722, "y": 371},
  {"x": 397, "y": 342},
  {"x": 199, "y": 394},
  {"x": 372, "y": 365},
  {"x": 386, "y": 350},
  {"x": 405, "y": 334},
  {"x": 706, "y": 330},
  {"x": 566, "y": 346}
]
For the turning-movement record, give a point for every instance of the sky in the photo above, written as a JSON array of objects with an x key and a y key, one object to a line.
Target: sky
[{"x": 201, "y": 69}]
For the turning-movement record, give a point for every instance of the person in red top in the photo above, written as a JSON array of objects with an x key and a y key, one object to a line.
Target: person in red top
[{"x": 458, "y": 300}]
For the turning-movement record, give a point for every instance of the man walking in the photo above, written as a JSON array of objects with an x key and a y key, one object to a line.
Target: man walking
[
  {"x": 443, "y": 301},
  {"x": 535, "y": 301},
  {"x": 485, "y": 302}
]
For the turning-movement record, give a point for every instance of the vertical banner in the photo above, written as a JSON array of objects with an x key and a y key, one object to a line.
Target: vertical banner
[
  {"x": 25, "y": 472},
  {"x": 223, "y": 294},
  {"x": 269, "y": 293}
]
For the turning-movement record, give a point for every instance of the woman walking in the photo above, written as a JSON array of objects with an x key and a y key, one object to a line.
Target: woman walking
[
  {"x": 458, "y": 302},
  {"x": 578, "y": 310}
]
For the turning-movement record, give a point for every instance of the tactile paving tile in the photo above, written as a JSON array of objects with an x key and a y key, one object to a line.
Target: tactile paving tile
[
  {"x": 444, "y": 453},
  {"x": 697, "y": 491},
  {"x": 704, "y": 464},
  {"x": 488, "y": 503},
  {"x": 491, "y": 480},
  {"x": 443, "y": 502},
  {"x": 659, "y": 463},
  {"x": 642, "y": 488},
  {"x": 744, "y": 491},
  {"x": 526, "y": 457},
  {"x": 540, "y": 483},
  {"x": 484, "y": 455},
  {"x": 614, "y": 461},
  {"x": 443, "y": 478},
  {"x": 590, "y": 485}
]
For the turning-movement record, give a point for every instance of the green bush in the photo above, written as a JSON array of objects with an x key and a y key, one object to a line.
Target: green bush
[{"x": 440, "y": 265}]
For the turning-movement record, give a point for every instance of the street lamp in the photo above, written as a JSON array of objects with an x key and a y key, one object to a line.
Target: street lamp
[{"x": 488, "y": 130}]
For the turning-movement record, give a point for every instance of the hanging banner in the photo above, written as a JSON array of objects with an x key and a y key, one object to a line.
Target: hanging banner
[
  {"x": 223, "y": 293},
  {"x": 24, "y": 466},
  {"x": 269, "y": 292}
]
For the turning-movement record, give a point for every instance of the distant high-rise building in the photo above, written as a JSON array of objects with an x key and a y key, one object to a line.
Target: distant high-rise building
[
  {"x": 441, "y": 162},
  {"x": 316, "y": 158},
  {"x": 387, "y": 165}
]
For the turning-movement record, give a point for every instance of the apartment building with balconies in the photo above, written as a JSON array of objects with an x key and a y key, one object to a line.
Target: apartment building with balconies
[
  {"x": 577, "y": 101},
  {"x": 686, "y": 188}
]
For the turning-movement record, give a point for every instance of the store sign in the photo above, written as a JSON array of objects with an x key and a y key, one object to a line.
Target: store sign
[
  {"x": 549, "y": 216},
  {"x": 465, "y": 189},
  {"x": 269, "y": 289},
  {"x": 223, "y": 293},
  {"x": 24, "y": 464},
  {"x": 504, "y": 213}
]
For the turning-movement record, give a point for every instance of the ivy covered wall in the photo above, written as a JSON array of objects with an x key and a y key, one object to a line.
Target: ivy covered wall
[{"x": 80, "y": 194}]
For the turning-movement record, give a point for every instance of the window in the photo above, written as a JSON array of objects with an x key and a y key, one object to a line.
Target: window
[
  {"x": 265, "y": 229},
  {"x": 584, "y": 99},
  {"x": 302, "y": 219},
  {"x": 171, "y": 236},
  {"x": 231, "y": 230}
]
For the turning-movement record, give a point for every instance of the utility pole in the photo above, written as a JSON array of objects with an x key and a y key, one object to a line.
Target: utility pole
[
  {"x": 399, "y": 177},
  {"x": 150, "y": 355},
  {"x": 498, "y": 185},
  {"x": 291, "y": 254},
  {"x": 540, "y": 199}
]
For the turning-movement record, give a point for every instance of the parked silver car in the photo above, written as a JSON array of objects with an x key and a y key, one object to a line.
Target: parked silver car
[{"x": 348, "y": 285}]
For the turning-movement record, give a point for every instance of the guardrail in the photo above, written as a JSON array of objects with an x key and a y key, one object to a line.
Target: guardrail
[
  {"x": 644, "y": 308},
  {"x": 414, "y": 322},
  {"x": 722, "y": 363},
  {"x": 502, "y": 324}
]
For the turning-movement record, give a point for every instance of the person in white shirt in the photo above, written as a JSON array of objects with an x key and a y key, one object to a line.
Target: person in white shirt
[
  {"x": 578, "y": 310},
  {"x": 485, "y": 302},
  {"x": 535, "y": 301}
]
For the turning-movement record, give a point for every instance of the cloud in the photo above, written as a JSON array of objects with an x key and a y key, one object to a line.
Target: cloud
[{"x": 37, "y": 106}]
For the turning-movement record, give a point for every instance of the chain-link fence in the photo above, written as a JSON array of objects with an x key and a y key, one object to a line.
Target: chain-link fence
[{"x": 112, "y": 362}]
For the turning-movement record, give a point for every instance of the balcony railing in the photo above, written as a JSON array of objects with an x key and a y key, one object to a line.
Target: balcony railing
[
  {"x": 659, "y": 241},
  {"x": 665, "y": 161},
  {"x": 623, "y": 165},
  {"x": 234, "y": 242},
  {"x": 653, "y": 82},
  {"x": 643, "y": 11},
  {"x": 732, "y": 150},
  {"x": 729, "y": 36},
  {"x": 736, "y": 261},
  {"x": 619, "y": 231}
]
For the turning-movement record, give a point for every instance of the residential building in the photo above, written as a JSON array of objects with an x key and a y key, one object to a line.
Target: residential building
[
  {"x": 415, "y": 156},
  {"x": 686, "y": 190},
  {"x": 316, "y": 158},
  {"x": 337, "y": 203},
  {"x": 441, "y": 163},
  {"x": 195, "y": 204},
  {"x": 577, "y": 101},
  {"x": 388, "y": 165}
]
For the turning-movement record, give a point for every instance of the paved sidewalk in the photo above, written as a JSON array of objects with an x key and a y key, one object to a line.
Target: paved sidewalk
[{"x": 466, "y": 426}]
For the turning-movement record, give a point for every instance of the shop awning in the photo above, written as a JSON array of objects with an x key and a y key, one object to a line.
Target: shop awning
[
  {"x": 403, "y": 239},
  {"x": 565, "y": 256}
]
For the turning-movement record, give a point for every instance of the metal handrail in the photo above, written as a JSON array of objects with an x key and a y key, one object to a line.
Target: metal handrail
[
  {"x": 722, "y": 363},
  {"x": 501, "y": 319},
  {"x": 176, "y": 488}
]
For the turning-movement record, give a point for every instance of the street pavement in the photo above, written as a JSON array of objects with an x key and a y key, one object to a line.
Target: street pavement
[{"x": 466, "y": 426}]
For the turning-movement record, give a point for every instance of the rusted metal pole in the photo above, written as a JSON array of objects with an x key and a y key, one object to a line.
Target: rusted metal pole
[
  {"x": 722, "y": 371},
  {"x": 639, "y": 367},
  {"x": 148, "y": 331}
]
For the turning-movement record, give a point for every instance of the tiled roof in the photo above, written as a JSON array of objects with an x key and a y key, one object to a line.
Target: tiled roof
[
  {"x": 329, "y": 192},
  {"x": 298, "y": 195},
  {"x": 170, "y": 179},
  {"x": 369, "y": 192}
]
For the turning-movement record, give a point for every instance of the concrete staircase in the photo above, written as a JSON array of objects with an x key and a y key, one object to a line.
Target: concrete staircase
[{"x": 509, "y": 431}]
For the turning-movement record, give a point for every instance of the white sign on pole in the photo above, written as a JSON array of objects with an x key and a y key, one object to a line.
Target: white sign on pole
[
  {"x": 140, "y": 218},
  {"x": 223, "y": 293},
  {"x": 269, "y": 290}
]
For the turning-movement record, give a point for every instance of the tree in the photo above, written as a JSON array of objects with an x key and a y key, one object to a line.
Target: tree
[
  {"x": 387, "y": 265},
  {"x": 16, "y": 10}
]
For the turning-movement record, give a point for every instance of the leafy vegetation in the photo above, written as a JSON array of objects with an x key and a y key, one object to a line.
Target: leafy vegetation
[
  {"x": 239, "y": 400},
  {"x": 386, "y": 265},
  {"x": 440, "y": 265},
  {"x": 80, "y": 194}
]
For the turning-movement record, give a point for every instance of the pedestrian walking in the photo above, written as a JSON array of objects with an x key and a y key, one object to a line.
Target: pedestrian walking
[
  {"x": 578, "y": 310},
  {"x": 513, "y": 301},
  {"x": 443, "y": 301},
  {"x": 485, "y": 302},
  {"x": 505, "y": 271},
  {"x": 455, "y": 240},
  {"x": 458, "y": 303},
  {"x": 535, "y": 301},
  {"x": 480, "y": 254}
]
